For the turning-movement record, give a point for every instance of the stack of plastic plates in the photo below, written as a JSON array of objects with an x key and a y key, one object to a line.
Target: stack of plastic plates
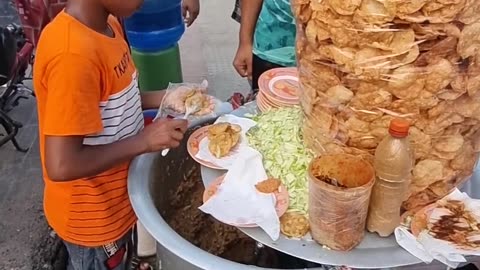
[{"x": 278, "y": 88}]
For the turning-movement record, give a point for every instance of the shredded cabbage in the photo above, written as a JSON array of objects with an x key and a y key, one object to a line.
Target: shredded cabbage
[{"x": 277, "y": 137}]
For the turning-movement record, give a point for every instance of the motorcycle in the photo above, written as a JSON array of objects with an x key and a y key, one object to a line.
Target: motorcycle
[{"x": 16, "y": 56}]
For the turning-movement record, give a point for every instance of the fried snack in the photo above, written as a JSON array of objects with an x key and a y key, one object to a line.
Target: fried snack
[
  {"x": 294, "y": 225},
  {"x": 220, "y": 145},
  {"x": 362, "y": 63},
  {"x": 201, "y": 102},
  {"x": 196, "y": 100},
  {"x": 268, "y": 186},
  {"x": 223, "y": 138},
  {"x": 217, "y": 129}
]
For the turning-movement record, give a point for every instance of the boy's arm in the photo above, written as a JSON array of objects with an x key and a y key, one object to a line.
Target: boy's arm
[
  {"x": 66, "y": 158},
  {"x": 152, "y": 99},
  {"x": 190, "y": 10}
]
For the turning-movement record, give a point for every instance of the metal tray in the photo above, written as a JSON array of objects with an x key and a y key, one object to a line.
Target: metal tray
[{"x": 373, "y": 251}]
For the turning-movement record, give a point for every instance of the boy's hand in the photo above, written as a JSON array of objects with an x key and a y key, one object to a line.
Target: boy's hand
[
  {"x": 243, "y": 61},
  {"x": 192, "y": 8},
  {"x": 163, "y": 134}
]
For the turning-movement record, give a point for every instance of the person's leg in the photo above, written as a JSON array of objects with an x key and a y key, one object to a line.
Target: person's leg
[
  {"x": 144, "y": 248},
  {"x": 259, "y": 66},
  {"x": 80, "y": 258},
  {"x": 109, "y": 257}
]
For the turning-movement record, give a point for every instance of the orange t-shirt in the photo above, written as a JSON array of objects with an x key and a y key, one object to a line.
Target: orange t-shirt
[{"x": 86, "y": 84}]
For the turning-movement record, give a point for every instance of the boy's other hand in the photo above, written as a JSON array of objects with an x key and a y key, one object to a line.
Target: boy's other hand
[
  {"x": 190, "y": 10},
  {"x": 163, "y": 134},
  {"x": 243, "y": 61}
]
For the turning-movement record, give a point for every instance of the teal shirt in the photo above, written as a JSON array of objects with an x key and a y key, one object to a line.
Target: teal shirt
[{"x": 274, "y": 39}]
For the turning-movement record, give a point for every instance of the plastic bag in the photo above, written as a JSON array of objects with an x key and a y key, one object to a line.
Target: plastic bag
[
  {"x": 177, "y": 95},
  {"x": 363, "y": 63},
  {"x": 339, "y": 194}
]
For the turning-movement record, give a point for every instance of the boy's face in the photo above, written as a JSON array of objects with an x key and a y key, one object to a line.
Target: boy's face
[{"x": 122, "y": 8}]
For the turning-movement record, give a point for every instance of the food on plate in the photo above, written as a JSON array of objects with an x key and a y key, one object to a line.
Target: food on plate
[
  {"x": 362, "y": 63},
  {"x": 277, "y": 137},
  {"x": 268, "y": 186},
  {"x": 294, "y": 224},
  {"x": 223, "y": 138},
  {"x": 448, "y": 220},
  {"x": 452, "y": 222}
]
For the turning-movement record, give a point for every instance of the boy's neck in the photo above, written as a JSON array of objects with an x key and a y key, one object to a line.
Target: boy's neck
[{"x": 92, "y": 15}]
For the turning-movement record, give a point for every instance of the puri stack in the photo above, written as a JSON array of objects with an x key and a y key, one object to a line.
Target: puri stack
[{"x": 364, "y": 62}]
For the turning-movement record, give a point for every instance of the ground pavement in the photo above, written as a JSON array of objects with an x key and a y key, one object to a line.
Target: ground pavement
[{"x": 25, "y": 239}]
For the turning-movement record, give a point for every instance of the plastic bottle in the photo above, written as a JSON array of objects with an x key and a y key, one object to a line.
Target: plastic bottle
[
  {"x": 393, "y": 167},
  {"x": 156, "y": 26}
]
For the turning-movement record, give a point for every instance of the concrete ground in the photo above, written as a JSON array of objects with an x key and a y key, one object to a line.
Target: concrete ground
[{"x": 25, "y": 239}]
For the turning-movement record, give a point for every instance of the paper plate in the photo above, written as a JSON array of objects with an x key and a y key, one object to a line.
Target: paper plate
[
  {"x": 193, "y": 144},
  {"x": 199, "y": 139},
  {"x": 277, "y": 100},
  {"x": 266, "y": 107},
  {"x": 271, "y": 102},
  {"x": 281, "y": 198},
  {"x": 261, "y": 104},
  {"x": 420, "y": 219},
  {"x": 280, "y": 84}
]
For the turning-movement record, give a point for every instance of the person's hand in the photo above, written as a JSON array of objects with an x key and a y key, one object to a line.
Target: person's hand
[
  {"x": 163, "y": 134},
  {"x": 243, "y": 61},
  {"x": 190, "y": 11}
]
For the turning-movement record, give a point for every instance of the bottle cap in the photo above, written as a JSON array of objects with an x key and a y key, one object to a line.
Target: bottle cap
[{"x": 399, "y": 128}]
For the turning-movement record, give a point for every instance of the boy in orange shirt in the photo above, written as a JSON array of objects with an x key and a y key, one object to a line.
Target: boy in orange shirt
[{"x": 91, "y": 126}]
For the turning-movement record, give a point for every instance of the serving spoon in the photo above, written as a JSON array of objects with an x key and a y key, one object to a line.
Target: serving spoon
[{"x": 192, "y": 108}]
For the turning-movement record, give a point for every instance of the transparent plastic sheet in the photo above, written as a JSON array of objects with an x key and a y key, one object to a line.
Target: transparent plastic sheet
[
  {"x": 338, "y": 213},
  {"x": 176, "y": 98},
  {"x": 364, "y": 62}
]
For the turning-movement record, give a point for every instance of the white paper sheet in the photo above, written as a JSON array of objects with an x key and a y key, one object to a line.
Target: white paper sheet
[
  {"x": 238, "y": 202},
  {"x": 427, "y": 248}
]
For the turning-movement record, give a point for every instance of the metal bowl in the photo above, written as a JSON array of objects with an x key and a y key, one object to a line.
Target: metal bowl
[{"x": 153, "y": 174}]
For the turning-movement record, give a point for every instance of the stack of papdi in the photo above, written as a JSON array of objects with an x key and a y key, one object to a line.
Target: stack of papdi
[
  {"x": 223, "y": 138},
  {"x": 363, "y": 62}
]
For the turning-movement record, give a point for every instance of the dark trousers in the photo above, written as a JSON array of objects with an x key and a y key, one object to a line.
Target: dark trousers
[{"x": 259, "y": 66}]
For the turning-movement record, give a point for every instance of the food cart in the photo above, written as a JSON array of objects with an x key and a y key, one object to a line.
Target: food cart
[
  {"x": 361, "y": 66},
  {"x": 153, "y": 178}
]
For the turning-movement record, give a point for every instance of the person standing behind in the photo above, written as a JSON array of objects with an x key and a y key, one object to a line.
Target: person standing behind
[{"x": 266, "y": 39}]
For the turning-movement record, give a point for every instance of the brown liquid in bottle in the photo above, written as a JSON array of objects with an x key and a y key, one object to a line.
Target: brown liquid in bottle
[{"x": 393, "y": 166}]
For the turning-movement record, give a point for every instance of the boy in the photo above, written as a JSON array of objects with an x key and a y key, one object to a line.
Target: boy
[
  {"x": 267, "y": 38},
  {"x": 91, "y": 126}
]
